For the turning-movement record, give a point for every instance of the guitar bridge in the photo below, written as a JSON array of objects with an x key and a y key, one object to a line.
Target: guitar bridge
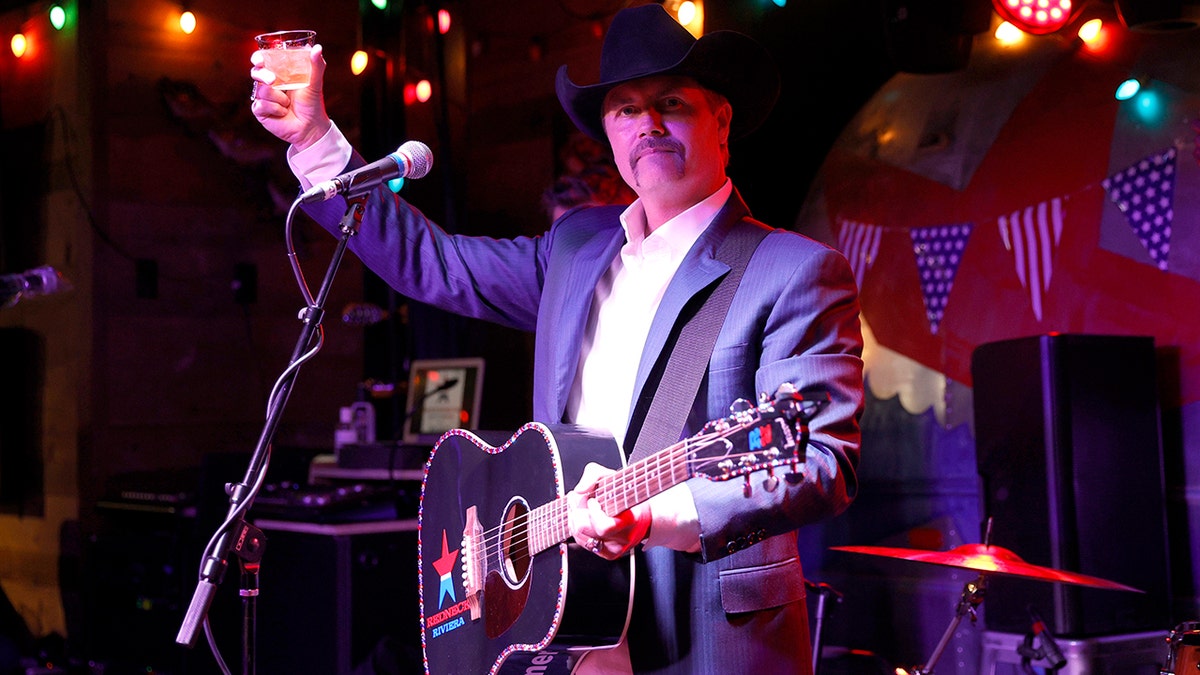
[{"x": 474, "y": 562}]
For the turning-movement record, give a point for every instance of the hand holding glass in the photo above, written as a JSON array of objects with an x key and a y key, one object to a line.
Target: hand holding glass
[{"x": 287, "y": 54}]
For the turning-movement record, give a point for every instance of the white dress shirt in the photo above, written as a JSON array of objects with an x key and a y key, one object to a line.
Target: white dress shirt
[{"x": 623, "y": 307}]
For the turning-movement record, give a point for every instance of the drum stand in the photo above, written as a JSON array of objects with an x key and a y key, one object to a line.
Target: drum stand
[
  {"x": 824, "y": 593},
  {"x": 968, "y": 604}
]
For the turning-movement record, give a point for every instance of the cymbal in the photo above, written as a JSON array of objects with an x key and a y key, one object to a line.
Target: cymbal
[{"x": 987, "y": 559}]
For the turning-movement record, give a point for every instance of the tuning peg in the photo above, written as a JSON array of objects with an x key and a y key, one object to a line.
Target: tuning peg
[
  {"x": 772, "y": 480},
  {"x": 740, "y": 405}
]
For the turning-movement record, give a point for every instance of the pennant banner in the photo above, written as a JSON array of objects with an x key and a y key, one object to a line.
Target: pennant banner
[
  {"x": 1145, "y": 193},
  {"x": 859, "y": 242},
  {"x": 1032, "y": 235},
  {"x": 938, "y": 251}
]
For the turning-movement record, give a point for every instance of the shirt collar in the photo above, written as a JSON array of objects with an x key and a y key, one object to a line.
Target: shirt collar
[{"x": 679, "y": 233}]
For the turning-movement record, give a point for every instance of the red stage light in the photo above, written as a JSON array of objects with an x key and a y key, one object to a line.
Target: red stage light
[{"x": 1038, "y": 17}]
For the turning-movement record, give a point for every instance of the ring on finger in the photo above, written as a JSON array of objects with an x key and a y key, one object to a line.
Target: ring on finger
[
  {"x": 254, "y": 92},
  {"x": 596, "y": 543}
]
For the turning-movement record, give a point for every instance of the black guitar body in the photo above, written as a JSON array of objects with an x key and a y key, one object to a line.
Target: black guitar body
[
  {"x": 544, "y": 610},
  {"x": 501, "y": 591}
]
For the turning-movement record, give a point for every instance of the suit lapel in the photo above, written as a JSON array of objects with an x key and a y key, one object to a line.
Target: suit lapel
[{"x": 699, "y": 270}]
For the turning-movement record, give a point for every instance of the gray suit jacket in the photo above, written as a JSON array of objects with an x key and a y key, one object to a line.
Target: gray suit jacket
[{"x": 737, "y": 605}]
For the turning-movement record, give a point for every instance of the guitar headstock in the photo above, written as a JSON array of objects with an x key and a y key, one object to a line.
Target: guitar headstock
[
  {"x": 802, "y": 405},
  {"x": 753, "y": 438}
]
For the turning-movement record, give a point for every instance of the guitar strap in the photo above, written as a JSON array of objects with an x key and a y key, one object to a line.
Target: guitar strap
[{"x": 662, "y": 410}]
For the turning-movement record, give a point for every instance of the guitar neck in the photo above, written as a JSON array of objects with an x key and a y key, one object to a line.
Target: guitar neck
[{"x": 617, "y": 492}]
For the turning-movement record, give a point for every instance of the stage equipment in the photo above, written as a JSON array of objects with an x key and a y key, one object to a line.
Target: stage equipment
[
  {"x": 989, "y": 560},
  {"x": 1038, "y": 17},
  {"x": 1068, "y": 451},
  {"x": 985, "y": 559},
  {"x": 236, "y": 539},
  {"x": 1183, "y": 653}
]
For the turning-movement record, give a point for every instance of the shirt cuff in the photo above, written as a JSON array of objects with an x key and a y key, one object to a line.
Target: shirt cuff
[
  {"x": 675, "y": 525},
  {"x": 321, "y": 161}
]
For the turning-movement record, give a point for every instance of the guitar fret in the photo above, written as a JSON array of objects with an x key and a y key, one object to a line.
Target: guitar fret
[
  {"x": 548, "y": 525},
  {"x": 644, "y": 479}
]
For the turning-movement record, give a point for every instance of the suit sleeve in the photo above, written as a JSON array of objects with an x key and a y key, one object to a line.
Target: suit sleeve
[
  {"x": 497, "y": 280},
  {"x": 796, "y": 320}
]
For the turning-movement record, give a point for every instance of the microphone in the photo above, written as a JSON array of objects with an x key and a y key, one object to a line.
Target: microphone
[
  {"x": 413, "y": 159},
  {"x": 1050, "y": 650},
  {"x": 42, "y": 280}
]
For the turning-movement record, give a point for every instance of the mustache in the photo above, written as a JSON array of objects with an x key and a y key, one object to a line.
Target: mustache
[{"x": 653, "y": 143}]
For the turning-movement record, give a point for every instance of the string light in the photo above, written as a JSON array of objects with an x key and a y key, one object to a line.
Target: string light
[
  {"x": 1089, "y": 32},
  {"x": 19, "y": 45},
  {"x": 1128, "y": 89},
  {"x": 689, "y": 14},
  {"x": 187, "y": 22},
  {"x": 358, "y": 62},
  {"x": 1008, "y": 34},
  {"x": 58, "y": 17},
  {"x": 417, "y": 92},
  {"x": 686, "y": 12}
]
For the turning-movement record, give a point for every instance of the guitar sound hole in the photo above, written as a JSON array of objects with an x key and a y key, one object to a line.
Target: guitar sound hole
[{"x": 514, "y": 543}]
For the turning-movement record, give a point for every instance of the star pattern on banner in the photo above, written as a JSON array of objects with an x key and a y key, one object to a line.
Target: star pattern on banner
[
  {"x": 939, "y": 252},
  {"x": 1032, "y": 235},
  {"x": 859, "y": 242},
  {"x": 1145, "y": 192}
]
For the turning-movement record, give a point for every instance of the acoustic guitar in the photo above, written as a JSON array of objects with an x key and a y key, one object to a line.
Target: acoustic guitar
[{"x": 503, "y": 588}]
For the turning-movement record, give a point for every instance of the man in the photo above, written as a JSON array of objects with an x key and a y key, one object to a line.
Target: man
[{"x": 607, "y": 289}]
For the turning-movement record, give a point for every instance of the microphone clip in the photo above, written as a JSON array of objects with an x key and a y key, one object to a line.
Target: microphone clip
[{"x": 1047, "y": 648}]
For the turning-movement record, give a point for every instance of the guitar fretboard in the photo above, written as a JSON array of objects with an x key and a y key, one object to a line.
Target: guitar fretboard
[{"x": 617, "y": 492}]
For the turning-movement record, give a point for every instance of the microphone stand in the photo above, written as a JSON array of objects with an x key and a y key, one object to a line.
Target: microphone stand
[{"x": 235, "y": 534}]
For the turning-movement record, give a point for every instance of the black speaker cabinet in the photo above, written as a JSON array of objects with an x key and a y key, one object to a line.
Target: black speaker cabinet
[
  {"x": 338, "y": 598},
  {"x": 23, "y": 364},
  {"x": 1069, "y": 452}
]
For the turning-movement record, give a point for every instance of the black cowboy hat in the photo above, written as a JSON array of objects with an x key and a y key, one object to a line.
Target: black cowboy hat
[{"x": 644, "y": 41}]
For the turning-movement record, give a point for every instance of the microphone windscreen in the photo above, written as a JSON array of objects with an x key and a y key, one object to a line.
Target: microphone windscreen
[{"x": 419, "y": 158}]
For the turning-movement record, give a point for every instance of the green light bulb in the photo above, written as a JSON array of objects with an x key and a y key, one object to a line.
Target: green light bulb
[{"x": 58, "y": 17}]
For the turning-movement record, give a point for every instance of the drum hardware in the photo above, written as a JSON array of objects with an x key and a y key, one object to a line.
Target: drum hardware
[
  {"x": 985, "y": 559},
  {"x": 1183, "y": 649},
  {"x": 1047, "y": 648},
  {"x": 824, "y": 593}
]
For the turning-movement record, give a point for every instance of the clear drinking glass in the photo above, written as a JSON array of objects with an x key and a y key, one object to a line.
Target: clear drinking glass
[{"x": 287, "y": 54}]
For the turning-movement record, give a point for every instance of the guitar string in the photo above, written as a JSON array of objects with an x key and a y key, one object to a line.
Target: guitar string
[
  {"x": 615, "y": 491},
  {"x": 616, "y": 486},
  {"x": 554, "y": 512}
]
